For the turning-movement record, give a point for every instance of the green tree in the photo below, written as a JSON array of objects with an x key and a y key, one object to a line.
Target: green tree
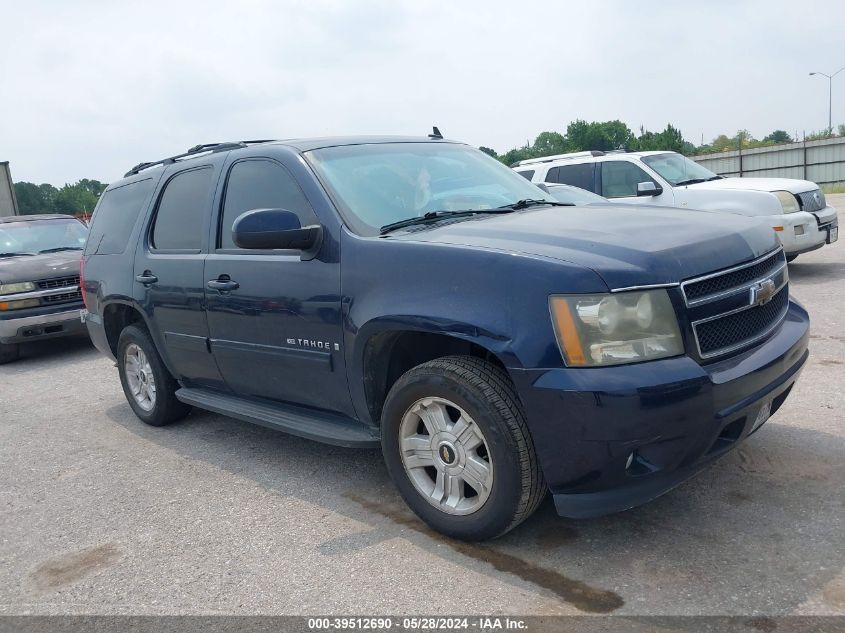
[
  {"x": 73, "y": 199},
  {"x": 33, "y": 199},
  {"x": 842, "y": 129},
  {"x": 604, "y": 136},
  {"x": 778, "y": 136},
  {"x": 670, "y": 140},
  {"x": 489, "y": 152},
  {"x": 94, "y": 186},
  {"x": 549, "y": 144}
]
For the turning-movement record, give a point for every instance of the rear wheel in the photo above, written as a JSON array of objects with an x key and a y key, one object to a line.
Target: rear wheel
[
  {"x": 9, "y": 353},
  {"x": 458, "y": 449},
  {"x": 148, "y": 386}
]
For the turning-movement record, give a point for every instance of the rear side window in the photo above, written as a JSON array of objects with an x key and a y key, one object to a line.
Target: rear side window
[
  {"x": 576, "y": 175},
  {"x": 260, "y": 184},
  {"x": 115, "y": 217},
  {"x": 528, "y": 174},
  {"x": 181, "y": 210},
  {"x": 619, "y": 179}
]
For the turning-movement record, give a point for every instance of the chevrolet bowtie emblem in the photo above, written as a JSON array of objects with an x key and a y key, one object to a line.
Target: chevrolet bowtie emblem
[{"x": 762, "y": 293}]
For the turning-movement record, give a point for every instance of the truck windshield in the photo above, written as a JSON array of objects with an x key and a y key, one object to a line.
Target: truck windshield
[
  {"x": 378, "y": 184},
  {"x": 32, "y": 237},
  {"x": 677, "y": 169}
]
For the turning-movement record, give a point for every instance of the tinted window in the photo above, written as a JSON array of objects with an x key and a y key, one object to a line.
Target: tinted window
[
  {"x": 178, "y": 223},
  {"x": 115, "y": 216},
  {"x": 565, "y": 193},
  {"x": 528, "y": 175},
  {"x": 260, "y": 184},
  {"x": 576, "y": 175},
  {"x": 619, "y": 179}
]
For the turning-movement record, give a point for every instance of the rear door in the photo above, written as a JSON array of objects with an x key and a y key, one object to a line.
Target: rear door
[
  {"x": 169, "y": 282},
  {"x": 276, "y": 333},
  {"x": 581, "y": 175}
]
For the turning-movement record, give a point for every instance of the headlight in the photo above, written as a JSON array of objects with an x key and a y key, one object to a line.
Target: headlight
[
  {"x": 614, "y": 329},
  {"x": 23, "y": 286},
  {"x": 19, "y": 304},
  {"x": 787, "y": 201}
]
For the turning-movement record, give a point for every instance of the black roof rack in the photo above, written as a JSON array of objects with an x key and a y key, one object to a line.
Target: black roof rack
[{"x": 196, "y": 149}]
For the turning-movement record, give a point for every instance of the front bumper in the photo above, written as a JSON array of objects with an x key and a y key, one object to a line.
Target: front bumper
[
  {"x": 34, "y": 324},
  {"x": 611, "y": 438},
  {"x": 804, "y": 231}
]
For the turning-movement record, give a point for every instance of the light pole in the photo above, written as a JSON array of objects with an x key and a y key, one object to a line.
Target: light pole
[{"x": 829, "y": 96}]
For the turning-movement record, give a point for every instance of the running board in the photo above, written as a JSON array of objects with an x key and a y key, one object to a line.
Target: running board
[{"x": 313, "y": 425}]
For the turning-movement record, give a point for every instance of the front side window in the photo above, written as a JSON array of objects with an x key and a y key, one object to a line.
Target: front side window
[
  {"x": 527, "y": 174},
  {"x": 619, "y": 179},
  {"x": 677, "y": 169},
  {"x": 376, "y": 184},
  {"x": 33, "y": 237},
  {"x": 260, "y": 184},
  {"x": 574, "y": 195},
  {"x": 181, "y": 210}
]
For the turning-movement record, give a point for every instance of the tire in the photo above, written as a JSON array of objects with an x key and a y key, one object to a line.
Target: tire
[
  {"x": 155, "y": 407},
  {"x": 791, "y": 258},
  {"x": 474, "y": 394},
  {"x": 9, "y": 352}
]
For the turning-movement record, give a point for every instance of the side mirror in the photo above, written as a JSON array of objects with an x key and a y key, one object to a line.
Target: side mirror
[
  {"x": 648, "y": 188},
  {"x": 275, "y": 229}
]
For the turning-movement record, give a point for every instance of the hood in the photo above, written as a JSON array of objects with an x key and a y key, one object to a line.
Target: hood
[
  {"x": 37, "y": 267},
  {"x": 627, "y": 245},
  {"x": 758, "y": 184}
]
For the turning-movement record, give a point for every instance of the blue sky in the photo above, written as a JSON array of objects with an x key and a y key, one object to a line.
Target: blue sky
[{"x": 91, "y": 88}]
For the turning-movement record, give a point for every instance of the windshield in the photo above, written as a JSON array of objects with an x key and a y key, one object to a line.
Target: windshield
[
  {"x": 379, "y": 184},
  {"x": 574, "y": 195},
  {"x": 678, "y": 169},
  {"x": 38, "y": 236}
]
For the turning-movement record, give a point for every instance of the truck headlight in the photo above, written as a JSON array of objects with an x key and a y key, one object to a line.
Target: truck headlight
[
  {"x": 19, "y": 304},
  {"x": 614, "y": 329},
  {"x": 788, "y": 201},
  {"x": 22, "y": 286}
]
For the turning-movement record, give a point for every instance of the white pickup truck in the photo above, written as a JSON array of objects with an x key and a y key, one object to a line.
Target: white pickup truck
[{"x": 796, "y": 209}]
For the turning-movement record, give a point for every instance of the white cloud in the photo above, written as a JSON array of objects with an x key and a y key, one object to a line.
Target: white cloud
[{"x": 91, "y": 88}]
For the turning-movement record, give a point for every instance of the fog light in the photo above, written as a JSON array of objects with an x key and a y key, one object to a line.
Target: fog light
[
  {"x": 799, "y": 229},
  {"x": 778, "y": 228}
]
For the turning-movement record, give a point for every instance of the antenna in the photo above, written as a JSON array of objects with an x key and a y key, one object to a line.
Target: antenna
[{"x": 435, "y": 133}]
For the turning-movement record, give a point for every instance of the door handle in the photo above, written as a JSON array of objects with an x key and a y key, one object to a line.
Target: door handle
[
  {"x": 223, "y": 285},
  {"x": 146, "y": 278}
]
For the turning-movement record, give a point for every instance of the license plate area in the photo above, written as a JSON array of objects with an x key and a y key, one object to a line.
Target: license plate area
[{"x": 832, "y": 234}]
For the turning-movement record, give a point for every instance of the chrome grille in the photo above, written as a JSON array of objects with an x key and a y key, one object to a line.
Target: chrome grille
[
  {"x": 58, "y": 283},
  {"x": 736, "y": 307},
  {"x": 75, "y": 295},
  {"x": 812, "y": 200}
]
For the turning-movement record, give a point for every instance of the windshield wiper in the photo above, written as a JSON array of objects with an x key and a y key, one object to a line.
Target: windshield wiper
[
  {"x": 60, "y": 248},
  {"x": 529, "y": 202},
  {"x": 436, "y": 216},
  {"x": 715, "y": 178},
  {"x": 691, "y": 181},
  {"x": 14, "y": 254}
]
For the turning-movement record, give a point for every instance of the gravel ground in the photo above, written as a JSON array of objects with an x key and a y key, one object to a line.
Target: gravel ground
[{"x": 102, "y": 514}]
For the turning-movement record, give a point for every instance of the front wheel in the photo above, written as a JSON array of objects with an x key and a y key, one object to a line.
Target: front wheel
[
  {"x": 458, "y": 449},
  {"x": 9, "y": 353},
  {"x": 148, "y": 386},
  {"x": 791, "y": 258}
]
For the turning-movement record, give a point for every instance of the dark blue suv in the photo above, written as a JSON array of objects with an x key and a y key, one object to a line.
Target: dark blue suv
[{"x": 414, "y": 293}]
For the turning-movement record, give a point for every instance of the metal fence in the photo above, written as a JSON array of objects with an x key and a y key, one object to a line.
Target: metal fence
[{"x": 822, "y": 161}]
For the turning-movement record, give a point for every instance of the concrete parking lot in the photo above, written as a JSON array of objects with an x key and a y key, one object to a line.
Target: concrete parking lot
[{"x": 102, "y": 514}]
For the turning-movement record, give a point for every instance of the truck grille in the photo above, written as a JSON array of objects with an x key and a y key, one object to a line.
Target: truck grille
[
  {"x": 741, "y": 328},
  {"x": 58, "y": 283},
  {"x": 718, "y": 283},
  {"x": 737, "y": 307},
  {"x": 75, "y": 295},
  {"x": 812, "y": 200}
]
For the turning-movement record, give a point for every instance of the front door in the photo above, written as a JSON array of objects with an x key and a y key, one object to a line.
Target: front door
[
  {"x": 274, "y": 320},
  {"x": 619, "y": 180},
  {"x": 169, "y": 280}
]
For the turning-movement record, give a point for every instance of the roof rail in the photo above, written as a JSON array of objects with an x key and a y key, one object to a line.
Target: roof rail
[
  {"x": 548, "y": 159},
  {"x": 195, "y": 150}
]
